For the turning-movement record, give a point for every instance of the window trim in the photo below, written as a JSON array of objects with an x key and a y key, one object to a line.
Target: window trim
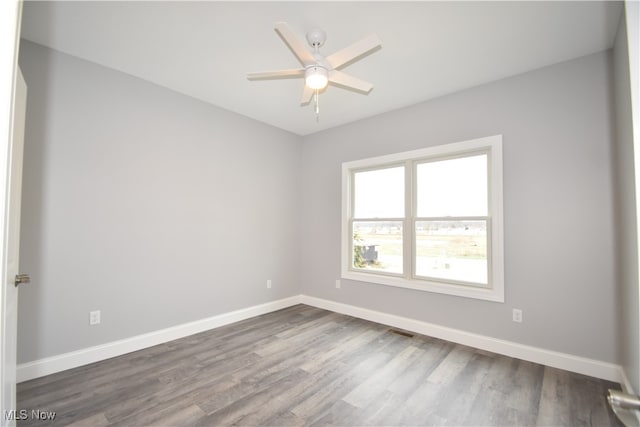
[{"x": 495, "y": 245}]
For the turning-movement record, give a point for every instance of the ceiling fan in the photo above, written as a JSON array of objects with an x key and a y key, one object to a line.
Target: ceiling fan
[{"x": 317, "y": 69}]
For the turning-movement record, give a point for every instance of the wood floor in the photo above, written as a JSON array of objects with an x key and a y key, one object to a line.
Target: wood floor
[{"x": 306, "y": 366}]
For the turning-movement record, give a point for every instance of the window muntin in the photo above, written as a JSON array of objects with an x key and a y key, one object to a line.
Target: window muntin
[{"x": 449, "y": 236}]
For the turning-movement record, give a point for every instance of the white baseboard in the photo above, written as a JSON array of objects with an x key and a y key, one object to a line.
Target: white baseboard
[
  {"x": 569, "y": 362},
  {"x": 625, "y": 383},
  {"x": 50, "y": 365}
]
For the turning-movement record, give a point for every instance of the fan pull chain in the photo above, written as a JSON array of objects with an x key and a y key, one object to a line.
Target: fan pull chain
[{"x": 316, "y": 49}]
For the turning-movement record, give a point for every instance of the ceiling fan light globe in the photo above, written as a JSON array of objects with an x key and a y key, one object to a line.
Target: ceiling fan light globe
[{"x": 316, "y": 78}]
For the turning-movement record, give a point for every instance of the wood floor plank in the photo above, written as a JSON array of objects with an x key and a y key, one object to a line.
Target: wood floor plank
[
  {"x": 452, "y": 365},
  {"x": 384, "y": 410},
  {"x": 245, "y": 411},
  {"x": 463, "y": 390},
  {"x": 303, "y": 366},
  {"x": 285, "y": 419},
  {"x": 343, "y": 348},
  {"x": 189, "y": 389},
  {"x": 321, "y": 400},
  {"x": 502, "y": 373},
  {"x": 368, "y": 390},
  {"x": 174, "y": 414},
  {"x": 586, "y": 407},
  {"x": 421, "y": 406},
  {"x": 525, "y": 395},
  {"x": 489, "y": 409},
  {"x": 338, "y": 415},
  {"x": 97, "y": 420},
  {"x": 426, "y": 361},
  {"x": 555, "y": 398}
]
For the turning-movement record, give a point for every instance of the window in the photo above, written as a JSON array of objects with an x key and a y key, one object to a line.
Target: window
[
  {"x": 378, "y": 224},
  {"x": 428, "y": 219}
]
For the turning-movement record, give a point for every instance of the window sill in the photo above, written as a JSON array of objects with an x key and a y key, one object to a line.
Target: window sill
[{"x": 495, "y": 294}]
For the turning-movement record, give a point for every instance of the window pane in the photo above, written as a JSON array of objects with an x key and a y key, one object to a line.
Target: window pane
[
  {"x": 377, "y": 246},
  {"x": 453, "y": 250},
  {"x": 455, "y": 187},
  {"x": 379, "y": 193}
]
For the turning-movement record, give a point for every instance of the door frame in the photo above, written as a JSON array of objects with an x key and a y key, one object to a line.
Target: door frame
[{"x": 10, "y": 20}]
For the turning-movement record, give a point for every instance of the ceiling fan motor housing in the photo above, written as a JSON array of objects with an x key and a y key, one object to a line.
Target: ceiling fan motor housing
[{"x": 316, "y": 38}]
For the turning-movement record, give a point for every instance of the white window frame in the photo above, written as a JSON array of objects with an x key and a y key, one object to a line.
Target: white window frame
[{"x": 491, "y": 145}]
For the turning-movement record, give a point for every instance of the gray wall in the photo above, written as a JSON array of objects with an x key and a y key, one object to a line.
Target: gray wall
[
  {"x": 626, "y": 218},
  {"x": 158, "y": 209},
  {"x": 155, "y": 208},
  {"x": 558, "y": 206}
]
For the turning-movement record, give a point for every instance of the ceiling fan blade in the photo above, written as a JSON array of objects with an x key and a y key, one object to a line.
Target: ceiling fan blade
[
  {"x": 343, "y": 79},
  {"x": 296, "y": 45},
  {"x": 354, "y": 51},
  {"x": 307, "y": 95},
  {"x": 278, "y": 74}
]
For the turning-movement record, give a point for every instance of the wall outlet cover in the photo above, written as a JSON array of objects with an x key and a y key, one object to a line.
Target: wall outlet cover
[
  {"x": 94, "y": 317},
  {"x": 517, "y": 315}
]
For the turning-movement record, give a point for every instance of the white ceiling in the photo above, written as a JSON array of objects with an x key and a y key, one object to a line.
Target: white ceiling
[{"x": 204, "y": 49}]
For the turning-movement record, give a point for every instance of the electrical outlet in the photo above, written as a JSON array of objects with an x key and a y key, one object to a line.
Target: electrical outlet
[
  {"x": 338, "y": 284},
  {"x": 94, "y": 317},
  {"x": 517, "y": 315},
  {"x": 269, "y": 284}
]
